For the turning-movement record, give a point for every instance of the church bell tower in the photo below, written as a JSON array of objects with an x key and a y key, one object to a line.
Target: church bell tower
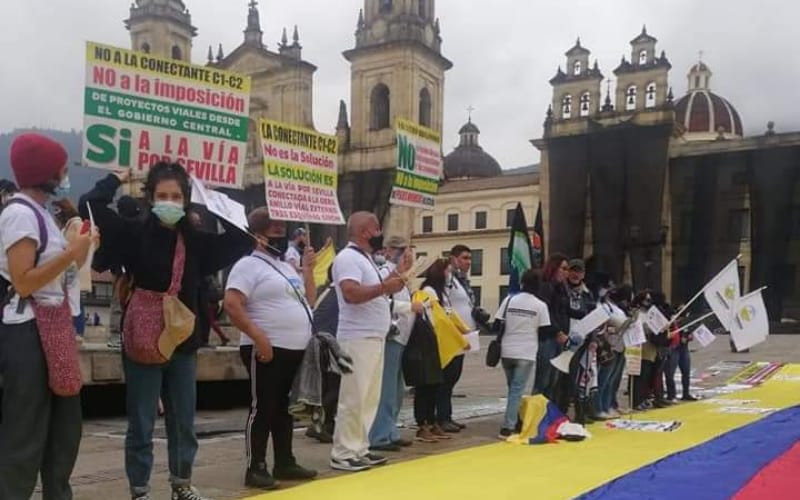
[
  {"x": 397, "y": 71},
  {"x": 162, "y": 28}
]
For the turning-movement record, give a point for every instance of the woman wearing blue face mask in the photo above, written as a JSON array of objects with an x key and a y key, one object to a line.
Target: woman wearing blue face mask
[{"x": 156, "y": 249}]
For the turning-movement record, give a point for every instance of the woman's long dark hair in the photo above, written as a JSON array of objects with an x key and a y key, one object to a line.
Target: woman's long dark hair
[
  {"x": 552, "y": 266},
  {"x": 163, "y": 171},
  {"x": 435, "y": 278}
]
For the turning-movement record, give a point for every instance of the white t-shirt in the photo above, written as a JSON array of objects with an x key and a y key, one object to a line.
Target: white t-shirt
[
  {"x": 523, "y": 318},
  {"x": 18, "y": 222},
  {"x": 272, "y": 303},
  {"x": 461, "y": 302},
  {"x": 72, "y": 274},
  {"x": 293, "y": 257},
  {"x": 402, "y": 316},
  {"x": 371, "y": 319}
]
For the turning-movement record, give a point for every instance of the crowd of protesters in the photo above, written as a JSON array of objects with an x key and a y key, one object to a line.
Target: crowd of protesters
[{"x": 361, "y": 339}]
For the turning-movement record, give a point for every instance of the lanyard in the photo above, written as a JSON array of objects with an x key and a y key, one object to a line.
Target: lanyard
[{"x": 302, "y": 299}]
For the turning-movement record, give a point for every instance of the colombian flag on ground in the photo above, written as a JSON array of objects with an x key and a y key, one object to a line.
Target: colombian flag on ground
[
  {"x": 540, "y": 421},
  {"x": 723, "y": 449}
]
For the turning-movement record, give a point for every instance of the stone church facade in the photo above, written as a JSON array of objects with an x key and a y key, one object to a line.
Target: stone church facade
[{"x": 397, "y": 71}]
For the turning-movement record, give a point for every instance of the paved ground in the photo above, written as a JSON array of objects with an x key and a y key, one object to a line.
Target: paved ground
[{"x": 220, "y": 466}]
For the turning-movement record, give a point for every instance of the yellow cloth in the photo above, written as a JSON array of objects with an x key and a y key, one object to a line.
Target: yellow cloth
[
  {"x": 504, "y": 471},
  {"x": 449, "y": 328},
  {"x": 324, "y": 262}
]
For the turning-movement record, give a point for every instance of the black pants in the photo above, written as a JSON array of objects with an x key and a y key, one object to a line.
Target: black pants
[
  {"x": 246, "y": 354},
  {"x": 643, "y": 384},
  {"x": 271, "y": 384},
  {"x": 330, "y": 398},
  {"x": 425, "y": 403},
  {"x": 40, "y": 433},
  {"x": 444, "y": 396}
]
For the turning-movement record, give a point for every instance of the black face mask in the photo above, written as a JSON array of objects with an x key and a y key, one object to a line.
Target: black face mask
[
  {"x": 277, "y": 246},
  {"x": 301, "y": 246},
  {"x": 376, "y": 242}
]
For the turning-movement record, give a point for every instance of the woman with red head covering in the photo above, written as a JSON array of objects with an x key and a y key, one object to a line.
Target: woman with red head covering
[{"x": 40, "y": 431}]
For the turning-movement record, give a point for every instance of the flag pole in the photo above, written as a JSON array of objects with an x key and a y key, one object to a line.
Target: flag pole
[
  {"x": 698, "y": 320},
  {"x": 697, "y": 295}
]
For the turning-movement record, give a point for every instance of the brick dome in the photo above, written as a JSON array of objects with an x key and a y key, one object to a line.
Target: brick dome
[{"x": 704, "y": 115}]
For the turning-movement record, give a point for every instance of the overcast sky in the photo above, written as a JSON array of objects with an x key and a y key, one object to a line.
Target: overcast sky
[{"x": 504, "y": 52}]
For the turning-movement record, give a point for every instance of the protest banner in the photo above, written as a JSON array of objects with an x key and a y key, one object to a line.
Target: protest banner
[
  {"x": 140, "y": 109},
  {"x": 300, "y": 173},
  {"x": 419, "y": 166}
]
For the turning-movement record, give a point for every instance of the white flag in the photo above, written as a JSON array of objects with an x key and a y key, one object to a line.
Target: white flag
[
  {"x": 703, "y": 335},
  {"x": 722, "y": 292},
  {"x": 656, "y": 320},
  {"x": 750, "y": 325}
]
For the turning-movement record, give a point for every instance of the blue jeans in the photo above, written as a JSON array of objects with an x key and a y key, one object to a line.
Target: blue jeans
[
  {"x": 384, "y": 428},
  {"x": 546, "y": 373},
  {"x": 518, "y": 378},
  {"x": 679, "y": 357},
  {"x": 144, "y": 386},
  {"x": 609, "y": 376}
]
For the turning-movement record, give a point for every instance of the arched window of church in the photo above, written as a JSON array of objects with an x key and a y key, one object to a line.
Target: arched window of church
[
  {"x": 176, "y": 53},
  {"x": 423, "y": 9},
  {"x": 643, "y": 57},
  {"x": 650, "y": 96},
  {"x": 586, "y": 103},
  {"x": 146, "y": 48},
  {"x": 576, "y": 68},
  {"x": 425, "y": 108},
  {"x": 385, "y": 6},
  {"x": 379, "y": 106},
  {"x": 566, "y": 107},
  {"x": 630, "y": 98}
]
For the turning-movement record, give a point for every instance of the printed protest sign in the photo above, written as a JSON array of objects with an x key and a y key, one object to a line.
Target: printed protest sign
[
  {"x": 633, "y": 360},
  {"x": 140, "y": 109},
  {"x": 634, "y": 335},
  {"x": 300, "y": 173},
  {"x": 656, "y": 320},
  {"x": 219, "y": 204},
  {"x": 703, "y": 336},
  {"x": 419, "y": 166},
  {"x": 591, "y": 322}
]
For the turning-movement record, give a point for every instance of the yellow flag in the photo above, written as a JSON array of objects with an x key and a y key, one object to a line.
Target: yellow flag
[{"x": 324, "y": 261}]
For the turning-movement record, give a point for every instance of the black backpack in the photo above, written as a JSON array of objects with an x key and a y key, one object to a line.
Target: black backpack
[{"x": 6, "y": 288}]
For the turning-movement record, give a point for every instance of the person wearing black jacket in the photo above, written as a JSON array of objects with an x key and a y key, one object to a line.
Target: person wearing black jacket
[
  {"x": 146, "y": 248},
  {"x": 553, "y": 292}
]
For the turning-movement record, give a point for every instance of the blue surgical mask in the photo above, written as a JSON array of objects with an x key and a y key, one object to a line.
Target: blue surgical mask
[
  {"x": 168, "y": 212},
  {"x": 62, "y": 190}
]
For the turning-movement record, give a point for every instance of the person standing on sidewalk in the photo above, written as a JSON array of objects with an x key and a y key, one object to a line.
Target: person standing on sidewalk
[
  {"x": 460, "y": 297},
  {"x": 40, "y": 432},
  {"x": 523, "y": 315},
  {"x": 154, "y": 250},
  {"x": 384, "y": 435},
  {"x": 270, "y": 303},
  {"x": 364, "y": 321}
]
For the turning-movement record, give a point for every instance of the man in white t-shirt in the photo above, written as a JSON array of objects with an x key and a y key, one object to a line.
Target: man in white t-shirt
[
  {"x": 294, "y": 252},
  {"x": 462, "y": 300},
  {"x": 384, "y": 435},
  {"x": 269, "y": 302},
  {"x": 523, "y": 314},
  {"x": 364, "y": 321}
]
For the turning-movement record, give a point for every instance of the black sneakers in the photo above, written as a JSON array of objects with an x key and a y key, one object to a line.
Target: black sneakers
[
  {"x": 185, "y": 493},
  {"x": 392, "y": 447},
  {"x": 373, "y": 459},
  {"x": 293, "y": 473},
  {"x": 259, "y": 477},
  {"x": 349, "y": 465},
  {"x": 504, "y": 434}
]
